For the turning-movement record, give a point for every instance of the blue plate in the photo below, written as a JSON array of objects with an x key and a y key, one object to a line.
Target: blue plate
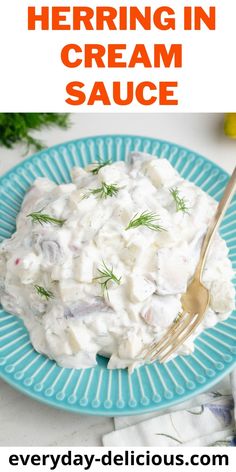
[{"x": 100, "y": 391}]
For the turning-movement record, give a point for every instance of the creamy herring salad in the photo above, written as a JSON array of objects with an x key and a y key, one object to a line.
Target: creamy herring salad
[{"x": 98, "y": 266}]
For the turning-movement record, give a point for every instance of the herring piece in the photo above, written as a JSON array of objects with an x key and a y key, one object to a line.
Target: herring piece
[
  {"x": 79, "y": 338},
  {"x": 139, "y": 288},
  {"x": 81, "y": 308},
  {"x": 136, "y": 158},
  {"x": 222, "y": 296},
  {"x": 174, "y": 269},
  {"x": 113, "y": 174},
  {"x": 25, "y": 267},
  {"x": 163, "y": 310},
  {"x": 84, "y": 265},
  {"x": 79, "y": 176},
  {"x": 70, "y": 290},
  {"x": 51, "y": 251},
  {"x": 131, "y": 345},
  {"x": 160, "y": 172}
]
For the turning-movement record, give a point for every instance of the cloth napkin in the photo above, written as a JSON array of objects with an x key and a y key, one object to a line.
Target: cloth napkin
[{"x": 206, "y": 420}]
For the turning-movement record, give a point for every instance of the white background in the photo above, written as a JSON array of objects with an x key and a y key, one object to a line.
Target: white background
[
  {"x": 33, "y": 77},
  {"x": 23, "y": 421}
]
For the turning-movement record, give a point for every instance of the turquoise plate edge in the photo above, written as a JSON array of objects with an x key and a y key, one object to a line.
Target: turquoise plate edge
[{"x": 140, "y": 401}]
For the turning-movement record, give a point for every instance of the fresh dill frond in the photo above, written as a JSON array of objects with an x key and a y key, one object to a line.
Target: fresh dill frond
[
  {"x": 106, "y": 275},
  {"x": 99, "y": 165},
  {"x": 18, "y": 127},
  {"x": 43, "y": 218},
  {"x": 106, "y": 190},
  {"x": 43, "y": 292},
  {"x": 180, "y": 203},
  {"x": 148, "y": 219}
]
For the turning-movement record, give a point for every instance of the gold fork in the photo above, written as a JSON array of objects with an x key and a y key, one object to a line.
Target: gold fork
[{"x": 195, "y": 300}]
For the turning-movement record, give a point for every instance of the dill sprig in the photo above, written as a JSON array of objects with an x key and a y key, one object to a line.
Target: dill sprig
[
  {"x": 180, "y": 203},
  {"x": 43, "y": 292},
  {"x": 148, "y": 219},
  {"x": 105, "y": 190},
  {"x": 99, "y": 165},
  {"x": 43, "y": 218},
  {"x": 18, "y": 127},
  {"x": 106, "y": 275}
]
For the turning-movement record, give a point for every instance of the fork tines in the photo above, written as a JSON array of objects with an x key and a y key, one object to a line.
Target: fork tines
[{"x": 178, "y": 332}]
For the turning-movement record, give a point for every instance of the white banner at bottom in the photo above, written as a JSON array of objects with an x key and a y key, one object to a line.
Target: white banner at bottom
[{"x": 99, "y": 459}]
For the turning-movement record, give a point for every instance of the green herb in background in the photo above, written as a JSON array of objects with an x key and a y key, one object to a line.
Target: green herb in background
[{"x": 17, "y": 127}]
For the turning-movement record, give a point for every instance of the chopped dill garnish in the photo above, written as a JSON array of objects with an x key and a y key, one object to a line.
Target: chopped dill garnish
[
  {"x": 106, "y": 275},
  {"x": 148, "y": 219},
  {"x": 43, "y": 218},
  {"x": 105, "y": 190},
  {"x": 43, "y": 292},
  {"x": 180, "y": 203},
  {"x": 99, "y": 165}
]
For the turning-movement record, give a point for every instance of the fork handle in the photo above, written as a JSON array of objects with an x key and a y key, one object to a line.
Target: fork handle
[{"x": 215, "y": 223}]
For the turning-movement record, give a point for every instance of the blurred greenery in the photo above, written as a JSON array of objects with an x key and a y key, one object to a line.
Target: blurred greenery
[{"x": 17, "y": 127}]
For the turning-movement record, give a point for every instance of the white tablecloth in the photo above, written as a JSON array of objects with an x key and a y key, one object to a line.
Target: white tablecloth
[{"x": 206, "y": 420}]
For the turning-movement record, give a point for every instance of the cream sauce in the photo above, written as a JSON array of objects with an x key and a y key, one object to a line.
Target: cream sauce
[{"x": 154, "y": 267}]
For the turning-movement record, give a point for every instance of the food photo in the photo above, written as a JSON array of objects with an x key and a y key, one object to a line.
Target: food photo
[{"x": 117, "y": 279}]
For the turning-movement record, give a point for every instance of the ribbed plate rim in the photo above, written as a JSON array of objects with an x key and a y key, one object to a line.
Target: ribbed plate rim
[{"x": 114, "y": 411}]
